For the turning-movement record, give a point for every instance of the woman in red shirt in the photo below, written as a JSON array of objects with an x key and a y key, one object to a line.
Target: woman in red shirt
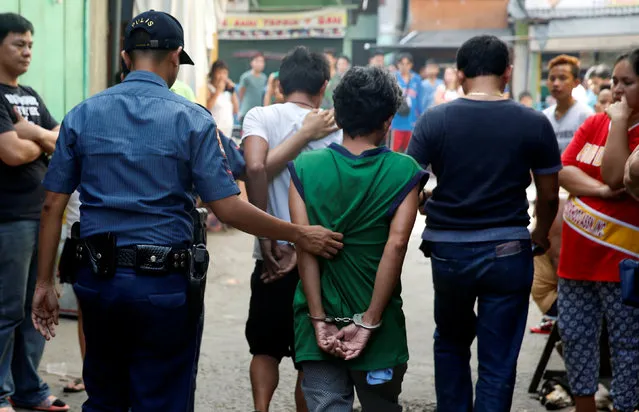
[{"x": 601, "y": 228}]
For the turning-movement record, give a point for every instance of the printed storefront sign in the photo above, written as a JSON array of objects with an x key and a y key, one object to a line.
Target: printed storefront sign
[{"x": 325, "y": 23}]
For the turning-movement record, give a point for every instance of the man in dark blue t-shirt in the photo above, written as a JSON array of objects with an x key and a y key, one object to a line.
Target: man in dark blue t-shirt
[{"x": 482, "y": 148}]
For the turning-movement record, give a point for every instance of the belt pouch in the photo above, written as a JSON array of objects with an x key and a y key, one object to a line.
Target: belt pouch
[
  {"x": 102, "y": 254},
  {"x": 152, "y": 260}
]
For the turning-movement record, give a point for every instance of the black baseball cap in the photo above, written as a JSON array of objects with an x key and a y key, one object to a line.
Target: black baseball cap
[{"x": 165, "y": 33}]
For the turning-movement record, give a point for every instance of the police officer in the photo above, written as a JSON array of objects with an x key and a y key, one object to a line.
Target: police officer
[{"x": 138, "y": 151}]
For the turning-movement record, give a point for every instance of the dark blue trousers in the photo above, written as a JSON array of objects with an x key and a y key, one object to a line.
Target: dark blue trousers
[
  {"x": 142, "y": 348},
  {"x": 497, "y": 276}
]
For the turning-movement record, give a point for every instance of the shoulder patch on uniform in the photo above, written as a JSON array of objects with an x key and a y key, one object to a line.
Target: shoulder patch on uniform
[{"x": 207, "y": 110}]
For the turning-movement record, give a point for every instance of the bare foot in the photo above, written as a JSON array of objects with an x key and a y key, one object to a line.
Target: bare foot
[{"x": 75, "y": 386}]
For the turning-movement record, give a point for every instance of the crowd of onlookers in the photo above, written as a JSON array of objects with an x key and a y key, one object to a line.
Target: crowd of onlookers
[{"x": 432, "y": 85}]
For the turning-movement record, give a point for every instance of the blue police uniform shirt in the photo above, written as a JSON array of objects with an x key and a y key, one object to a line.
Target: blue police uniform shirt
[{"x": 140, "y": 152}]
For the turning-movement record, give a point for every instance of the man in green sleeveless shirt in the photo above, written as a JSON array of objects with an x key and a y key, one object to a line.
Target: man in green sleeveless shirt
[{"x": 371, "y": 195}]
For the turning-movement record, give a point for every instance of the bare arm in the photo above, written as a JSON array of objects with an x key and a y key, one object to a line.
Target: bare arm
[
  {"x": 390, "y": 267},
  {"x": 269, "y": 91},
  {"x": 546, "y": 207},
  {"x": 317, "y": 125},
  {"x": 247, "y": 218},
  {"x": 287, "y": 151},
  {"x": 44, "y": 138},
  {"x": 236, "y": 103},
  {"x": 631, "y": 175},
  {"x": 49, "y": 238},
  {"x": 579, "y": 183},
  {"x": 267, "y": 97},
  {"x": 242, "y": 92},
  {"x": 255, "y": 152},
  {"x": 15, "y": 151},
  {"x": 307, "y": 264},
  {"x": 45, "y": 306},
  {"x": 615, "y": 154}
]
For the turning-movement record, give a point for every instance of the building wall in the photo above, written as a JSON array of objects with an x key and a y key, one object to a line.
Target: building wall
[
  {"x": 458, "y": 14},
  {"x": 58, "y": 66},
  {"x": 98, "y": 46}
]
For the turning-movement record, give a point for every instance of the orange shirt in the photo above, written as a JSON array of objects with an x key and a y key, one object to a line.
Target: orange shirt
[{"x": 597, "y": 233}]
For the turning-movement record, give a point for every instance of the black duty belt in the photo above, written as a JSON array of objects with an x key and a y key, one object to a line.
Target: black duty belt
[
  {"x": 154, "y": 258},
  {"x": 148, "y": 259}
]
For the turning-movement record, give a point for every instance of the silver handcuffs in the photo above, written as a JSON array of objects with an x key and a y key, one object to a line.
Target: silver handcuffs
[{"x": 356, "y": 320}]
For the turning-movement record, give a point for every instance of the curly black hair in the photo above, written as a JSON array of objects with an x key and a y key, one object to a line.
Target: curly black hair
[{"x": 365, "y": 99}]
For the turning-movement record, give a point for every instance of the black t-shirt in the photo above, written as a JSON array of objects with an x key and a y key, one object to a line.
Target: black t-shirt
[
  {"x": 21, "y": 191},
  {"x": 482, "y": 154}
]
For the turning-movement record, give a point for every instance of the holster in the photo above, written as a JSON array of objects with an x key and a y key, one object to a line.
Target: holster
[
  {"x": 68, "y": 265},
  {"x": 197, "y": 280},
  {"x": 101, "y": 254},
  {"x": 199, "y": 258},
  {"x": 199, "y": 216}
]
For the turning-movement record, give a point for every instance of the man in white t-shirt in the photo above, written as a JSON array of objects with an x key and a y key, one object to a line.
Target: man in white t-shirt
[
  {"x": 567, "y": 115},
  {"x": 280, "y": 132}
]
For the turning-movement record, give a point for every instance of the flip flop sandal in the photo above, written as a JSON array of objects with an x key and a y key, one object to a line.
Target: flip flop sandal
[
  {"x": 51, "y": 404},
  {"x": 75, "y": 386}
]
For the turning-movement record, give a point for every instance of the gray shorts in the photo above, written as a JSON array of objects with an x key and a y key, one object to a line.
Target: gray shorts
[{"x": 328, "y": 387}]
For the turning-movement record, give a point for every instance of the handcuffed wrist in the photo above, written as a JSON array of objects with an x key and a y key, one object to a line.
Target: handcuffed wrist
[
  {"x": 319, "y": 318},
  {"x": 359, "y": 321}
]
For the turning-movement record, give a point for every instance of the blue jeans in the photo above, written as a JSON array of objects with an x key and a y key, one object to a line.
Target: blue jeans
[
  {"x": 498, "y": 276},
  {"x": 142, "y": 347},
  {"x": 21, "y": 346}
]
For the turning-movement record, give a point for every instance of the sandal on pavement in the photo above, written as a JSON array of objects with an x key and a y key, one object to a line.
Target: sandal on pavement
[
  {"x": 75, "y": 386},
  {"x": 51, "y": 404}
]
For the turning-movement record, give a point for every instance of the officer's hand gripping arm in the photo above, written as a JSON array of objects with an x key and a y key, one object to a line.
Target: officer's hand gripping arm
[{"x": 247, "y": 218}]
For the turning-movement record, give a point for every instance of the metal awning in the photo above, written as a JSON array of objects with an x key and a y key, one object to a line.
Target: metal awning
[
  {"x": 551, "y": 13},
  {"x": 603, "y": 33},
  {"x": 442, "y": 39}
]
